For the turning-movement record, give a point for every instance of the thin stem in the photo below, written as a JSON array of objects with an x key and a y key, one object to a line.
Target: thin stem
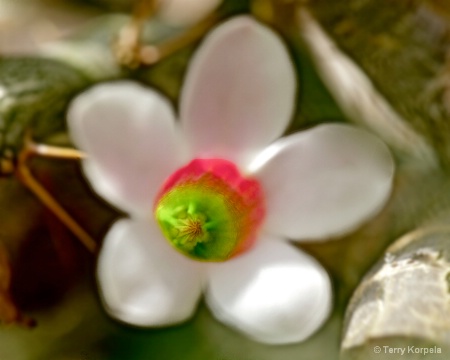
[
  {"x": 24, "y": 174},
  {"x": 128, "y": 44},
  {"x": 55, "y": 151},
  {"x": 151, "y": 54},
  {"x": 131, "y": 52}
]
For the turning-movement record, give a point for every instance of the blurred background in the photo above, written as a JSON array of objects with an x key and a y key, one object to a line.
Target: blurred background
[{"x": 381, "y": 65}]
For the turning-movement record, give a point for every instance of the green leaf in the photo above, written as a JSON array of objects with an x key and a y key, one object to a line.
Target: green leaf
[{"x": 34, "y": 94}]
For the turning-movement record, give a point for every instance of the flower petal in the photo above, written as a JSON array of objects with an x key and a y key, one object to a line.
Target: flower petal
[
  {"x": 324, "y": 182},
  {"x": 239, "y": 92},
  {"x": 131, "y": 140},
  {"x": 143, "y": 281},
  {"x": 274, "y": 293}
]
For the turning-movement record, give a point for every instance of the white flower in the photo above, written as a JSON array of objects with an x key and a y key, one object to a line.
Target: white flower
[{"x": 237, "y": 99}]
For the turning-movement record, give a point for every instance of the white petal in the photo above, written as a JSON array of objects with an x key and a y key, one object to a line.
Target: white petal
[
  {"x": 143, "y": 281},
  {"x": 131, "y": 140},
  {"x": 325, "y": 181},
  {"x": 185, "y": 12},
  {"x": 274, "y": 293},
  {"x": 239, "y": 92}
]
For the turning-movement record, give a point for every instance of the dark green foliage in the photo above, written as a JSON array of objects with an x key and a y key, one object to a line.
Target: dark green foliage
[{"x": 34, "y": 94}]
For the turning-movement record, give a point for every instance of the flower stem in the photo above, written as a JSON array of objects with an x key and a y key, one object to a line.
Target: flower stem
[
  {"x": 132, "y": 53},
  {"x": 127, "y": 47},
  {"x": 55, "y": 151},
  {"x": 26, "y": 177},
  {"x": 151, "y": 54}
]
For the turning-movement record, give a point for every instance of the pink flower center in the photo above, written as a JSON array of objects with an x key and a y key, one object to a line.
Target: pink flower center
[{"x": 208, "y": 211}]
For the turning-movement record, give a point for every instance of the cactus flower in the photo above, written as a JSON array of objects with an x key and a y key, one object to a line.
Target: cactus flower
[{"x": 216, "y": 199}]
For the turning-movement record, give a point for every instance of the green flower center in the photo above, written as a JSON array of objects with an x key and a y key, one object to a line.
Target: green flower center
[{"x": 208, "y": 211}]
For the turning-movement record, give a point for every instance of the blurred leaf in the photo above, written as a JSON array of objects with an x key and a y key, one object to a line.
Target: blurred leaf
[
  {"x": 34, "y": 94},
  {"x": 315, "y": 105},
  {"x": 403, "y": 47}
]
